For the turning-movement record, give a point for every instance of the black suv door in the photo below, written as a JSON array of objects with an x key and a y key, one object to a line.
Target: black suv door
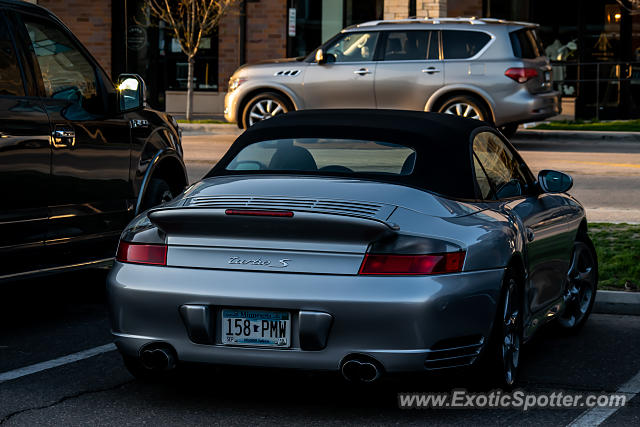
[
  {"x": 25, "y": 157},
  {"x": 91, "y": 191}
]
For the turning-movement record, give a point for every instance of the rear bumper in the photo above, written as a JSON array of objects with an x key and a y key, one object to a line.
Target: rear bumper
[
  {"x": 522, "y": 107},
  {"x": 397, "y": 321}
]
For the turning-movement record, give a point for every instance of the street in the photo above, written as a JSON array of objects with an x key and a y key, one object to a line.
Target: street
[{"x": 42, "y": 320}]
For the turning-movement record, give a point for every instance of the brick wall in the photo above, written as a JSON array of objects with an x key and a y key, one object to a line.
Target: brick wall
[
  {"x": 399, "y": 9},
  {"x": 266, "y": 36},
  {"x": 90, "y": 21},
  {"x": 431, "y": 8},
  {"x": 396, "y": 9},
  {"x": 464, "y": 8}
]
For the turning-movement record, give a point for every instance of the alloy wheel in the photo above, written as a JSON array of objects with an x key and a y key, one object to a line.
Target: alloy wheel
[
  {"x": 581, "y": 286},
  {"x": 511, "y": 333},
  {"x": 265, "y": 109},
  {"x": 464, "y": 110}
]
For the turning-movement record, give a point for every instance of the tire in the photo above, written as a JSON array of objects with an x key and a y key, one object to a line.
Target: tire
[
  {"x": 157, "y": 193},
  {"x": 264, "y": 106},
  {"x": 509, "y": 130},
  {"x": 500, "y": 362},
  {"x": 466, "y": 106},
  {"x": 582, "y": 285}
]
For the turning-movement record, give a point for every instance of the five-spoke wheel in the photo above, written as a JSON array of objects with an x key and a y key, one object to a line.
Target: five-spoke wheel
[{"x": 582, "y": 282}]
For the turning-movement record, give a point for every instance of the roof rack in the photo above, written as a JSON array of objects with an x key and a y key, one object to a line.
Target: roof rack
[{"x": 445, "y": 20}]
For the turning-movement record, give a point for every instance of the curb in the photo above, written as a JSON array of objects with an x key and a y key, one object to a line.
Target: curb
[
  {"x": 617, "y": 302},
  {"x": 577, "y": 135},
  {"x": 210, "y": 128}
]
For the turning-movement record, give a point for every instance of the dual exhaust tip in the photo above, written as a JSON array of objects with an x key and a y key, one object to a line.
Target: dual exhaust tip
[
  {"x": 361, "y": 370},
  {"x": 158, "y": 357},
  {"x": 162, "y": 357}
]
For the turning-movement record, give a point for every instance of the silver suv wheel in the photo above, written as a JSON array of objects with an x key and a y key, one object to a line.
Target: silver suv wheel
[
  {"x": 463, "y": 110},
  {"x": 265, "y": 109},
  {"x": 465, "y": 106},
  {"x": 262, "y": 107}
]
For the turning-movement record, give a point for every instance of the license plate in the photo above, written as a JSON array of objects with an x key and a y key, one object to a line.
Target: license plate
[
  {"x": 256, "y": 328},
  {"x": 547, "y": 76}
]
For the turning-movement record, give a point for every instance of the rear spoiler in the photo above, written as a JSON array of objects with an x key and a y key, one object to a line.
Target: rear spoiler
[{"x": 300, "y": 226}]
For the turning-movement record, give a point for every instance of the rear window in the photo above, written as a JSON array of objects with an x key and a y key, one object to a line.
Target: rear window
[
  {"x": 320, "y": 155},
  {"x": 463, "y": 44},
  {"x": 525, "y": 44}
]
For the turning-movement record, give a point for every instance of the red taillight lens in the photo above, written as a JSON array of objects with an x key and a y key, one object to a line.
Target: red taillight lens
[
  {"x": 142, "y": 254},
  {"x": 521, "y": 75},
  {"x": 286, "y": 214},
  {"x": 400, "y": 265}
]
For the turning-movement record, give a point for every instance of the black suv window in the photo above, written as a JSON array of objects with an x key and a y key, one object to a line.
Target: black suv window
[
  {"x": 525, "y": 44},
  {"x": 10, "y": 78},
  {"x": 410, "y": 45},
  {"x": 463, "y": 44},
  {"x": 66, "y": 73}
]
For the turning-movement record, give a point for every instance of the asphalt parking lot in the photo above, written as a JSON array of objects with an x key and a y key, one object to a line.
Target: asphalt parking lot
[{"x": 42, "y": 320}]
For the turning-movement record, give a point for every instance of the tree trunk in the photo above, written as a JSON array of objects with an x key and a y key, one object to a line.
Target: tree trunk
[{"x": 190, "y": 88}]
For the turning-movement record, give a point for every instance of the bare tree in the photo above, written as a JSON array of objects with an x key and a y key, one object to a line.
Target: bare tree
[{"x": 190, "y": 20}]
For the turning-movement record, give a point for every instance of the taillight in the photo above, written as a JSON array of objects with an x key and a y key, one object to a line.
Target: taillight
[
  {"x": 521, "y": 75},
  {"x": 142, "y": 254},
  {"x": 400, "y": 265}
]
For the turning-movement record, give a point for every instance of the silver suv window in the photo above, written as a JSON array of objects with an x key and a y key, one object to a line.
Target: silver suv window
[
  {"x": 410, "y": 45},
  {"x": 458, "y": 44},
  {"x": 353, "y": 47}
]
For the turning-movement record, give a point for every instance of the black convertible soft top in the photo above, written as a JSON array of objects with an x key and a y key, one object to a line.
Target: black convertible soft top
[{"x": 442, "y": 142}]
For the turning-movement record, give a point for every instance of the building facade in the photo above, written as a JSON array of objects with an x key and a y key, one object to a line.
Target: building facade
[{"x": 596, "y": 42}]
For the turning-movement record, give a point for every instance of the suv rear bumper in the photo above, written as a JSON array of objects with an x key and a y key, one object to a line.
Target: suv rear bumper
[{"x": 523, "y": 107}]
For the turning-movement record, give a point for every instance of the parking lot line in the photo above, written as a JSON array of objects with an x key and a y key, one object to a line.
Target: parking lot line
[
  {"x": 596, "y": 416},
  {"x": 54, "y": 363}
]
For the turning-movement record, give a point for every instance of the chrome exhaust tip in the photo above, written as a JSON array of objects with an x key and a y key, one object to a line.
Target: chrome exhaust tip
[
  {"x": 361, "y": 371},
  {"x": 158, "y": 358}
]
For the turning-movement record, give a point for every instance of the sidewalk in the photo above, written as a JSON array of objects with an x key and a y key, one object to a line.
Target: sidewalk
[{"x": 541, "y": 134}]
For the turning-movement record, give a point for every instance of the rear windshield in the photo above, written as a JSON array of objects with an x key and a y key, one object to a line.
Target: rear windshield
[
  {"x": 325, "y": 155},
  {"x": 525, "y": 44}
]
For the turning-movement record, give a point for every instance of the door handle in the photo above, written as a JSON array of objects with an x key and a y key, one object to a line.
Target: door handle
[
  {"x": 431, "y": 70},
  {"x": 362, "y": 72},
  {"x": 63, "y": 137}
]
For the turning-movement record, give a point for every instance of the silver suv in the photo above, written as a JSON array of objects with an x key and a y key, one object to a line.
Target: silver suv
[{"x": 488, "y": 69}]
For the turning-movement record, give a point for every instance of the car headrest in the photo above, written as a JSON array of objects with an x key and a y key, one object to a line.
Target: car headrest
[
  {"x": 394, "y": 46},
  {"x": 293, "y": 158}
]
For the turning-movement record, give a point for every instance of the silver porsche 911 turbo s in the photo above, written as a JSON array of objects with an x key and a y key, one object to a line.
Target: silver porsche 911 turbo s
[{"x": 359, "y": 241}]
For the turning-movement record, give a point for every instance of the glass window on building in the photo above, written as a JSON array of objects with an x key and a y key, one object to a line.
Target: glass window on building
[
  {"x": 154, "y": 53},
  {"x": 319, "y": 20}
]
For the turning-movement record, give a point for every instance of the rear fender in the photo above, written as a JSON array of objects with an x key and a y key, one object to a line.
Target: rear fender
[{"x": 168, "y": 164}]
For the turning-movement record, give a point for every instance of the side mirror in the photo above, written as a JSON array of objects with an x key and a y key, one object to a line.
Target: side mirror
[
  {"x": 320, "y": 59},
  {"x": 554, "y": 181},
  {"x": 131, "y": 92}
]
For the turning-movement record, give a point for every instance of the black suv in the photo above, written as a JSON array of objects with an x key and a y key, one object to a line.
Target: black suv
[{"x": 79, "y": 157}]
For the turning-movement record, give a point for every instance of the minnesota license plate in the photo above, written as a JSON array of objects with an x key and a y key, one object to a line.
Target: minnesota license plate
[{"x": 256, "y": 328}]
